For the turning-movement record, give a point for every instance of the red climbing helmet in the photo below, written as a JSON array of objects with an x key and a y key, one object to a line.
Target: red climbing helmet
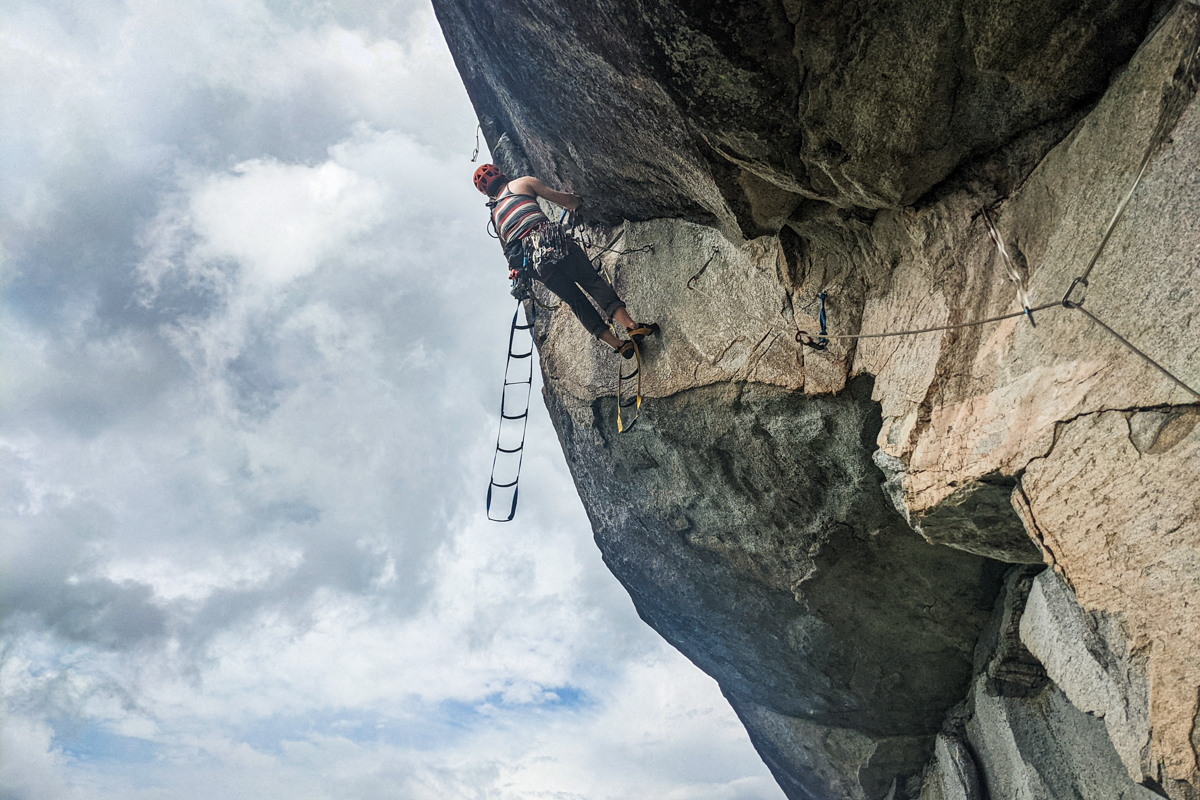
[{"x": 486, "y": 176}]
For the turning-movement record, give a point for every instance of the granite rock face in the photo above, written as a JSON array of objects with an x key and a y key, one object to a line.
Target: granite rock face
[
  {"x": 1090, "y": 660},
  {"x": 662, "y": 109},
  {"x": 1023, "y": 726},
  {"x": 953, "y": 774},
  {"x": 825, "y": 532},
  {"x": 790, "y": 576}
]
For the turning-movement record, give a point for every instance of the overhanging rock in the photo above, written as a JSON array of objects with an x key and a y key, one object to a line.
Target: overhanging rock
[
  {"x": 750, "y": 527},
  {"x": 774, "y": 152}
]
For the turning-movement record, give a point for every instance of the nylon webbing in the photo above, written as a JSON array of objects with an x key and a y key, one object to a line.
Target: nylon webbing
[
  {"x": 519, "y": 449},
  {"x": 637, "y": 401}
]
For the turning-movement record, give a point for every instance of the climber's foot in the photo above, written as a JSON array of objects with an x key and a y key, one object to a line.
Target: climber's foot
[{"x": 641, "y": 330}]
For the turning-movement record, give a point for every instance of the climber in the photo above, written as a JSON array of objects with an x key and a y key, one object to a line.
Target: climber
[{"x": 532, "y": 242}]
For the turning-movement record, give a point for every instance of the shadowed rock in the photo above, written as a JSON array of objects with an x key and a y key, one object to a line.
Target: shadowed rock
[
  {"x": 749, "y": 525},
  {"x": 668, "y": 109}
]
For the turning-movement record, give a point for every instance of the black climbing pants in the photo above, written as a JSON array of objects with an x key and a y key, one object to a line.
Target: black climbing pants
[{"x": 574, "y": 273}]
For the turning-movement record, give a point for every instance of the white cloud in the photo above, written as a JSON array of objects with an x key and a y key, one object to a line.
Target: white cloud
[
  {"x": 252, "y": 346},
  {"x": 281, "y": 221},
  {"x": 30, "y": 768},
  {"x": 172, "y": 580}
]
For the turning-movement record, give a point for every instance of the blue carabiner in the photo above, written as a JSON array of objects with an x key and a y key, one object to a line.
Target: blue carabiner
[{"x": 822, "y": 340}]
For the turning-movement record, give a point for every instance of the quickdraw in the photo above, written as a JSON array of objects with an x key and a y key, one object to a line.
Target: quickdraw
[
  {"x": 821, "y": 342},
  {"x": 567, "y": 221},
  {"x": 522, "y": 289}
]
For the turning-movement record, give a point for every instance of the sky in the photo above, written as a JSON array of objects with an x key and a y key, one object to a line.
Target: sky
[{"x": 252, "y": 337}]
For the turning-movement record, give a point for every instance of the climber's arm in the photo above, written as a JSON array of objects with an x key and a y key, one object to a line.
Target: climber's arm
[{"x": 531, "y": 185}]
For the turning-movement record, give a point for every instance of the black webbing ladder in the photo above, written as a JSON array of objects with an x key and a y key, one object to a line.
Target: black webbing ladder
[{"x": 506, "y": 417}]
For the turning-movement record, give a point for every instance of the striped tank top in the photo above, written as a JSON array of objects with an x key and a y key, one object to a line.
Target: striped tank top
[{"x": 516, "y": 215}]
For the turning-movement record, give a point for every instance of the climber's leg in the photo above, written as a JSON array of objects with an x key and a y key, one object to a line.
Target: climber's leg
[
  {"x": 574, "y": 275},
  {"x": 579, "y": 269},
  {"x": 559, "y": 281},
  {"x": 621, "y": 315},
  {"x": 576, "y": 265}
]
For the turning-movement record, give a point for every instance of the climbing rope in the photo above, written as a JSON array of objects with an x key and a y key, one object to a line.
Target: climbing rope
[
  {"x": 1112, "y": 223},
  {"x": 822, "y": 340},
  {"x": 1069, "y": 301},
  {"x": 523, "y": 416},
  {"x": 971, "y": 324},
  {"x": 586, "y": 241},
  {"x": 1072, "y": 299}
]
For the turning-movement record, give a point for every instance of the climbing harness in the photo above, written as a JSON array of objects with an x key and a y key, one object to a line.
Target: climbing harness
[
  {"x": 636, "y": 402},
  {"x": 506, "y": 416},
  {"x": 545, "y": 246},
  {"x": 822, "y": 340},
  {"x": 1136, "y": 351}
]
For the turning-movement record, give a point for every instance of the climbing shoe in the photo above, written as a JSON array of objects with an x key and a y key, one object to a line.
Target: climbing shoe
[
  {"x": 626, "y": 350},
  {"x": 641, "y": 330}
]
